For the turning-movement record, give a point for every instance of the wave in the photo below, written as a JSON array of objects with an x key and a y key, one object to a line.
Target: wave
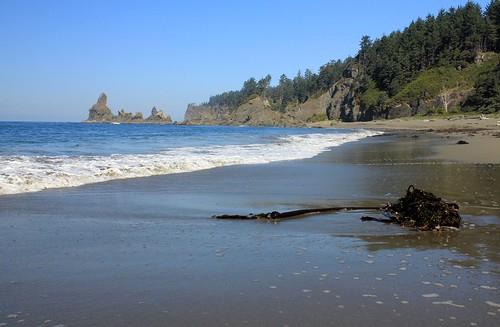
[{"x": 20, "y": 174}]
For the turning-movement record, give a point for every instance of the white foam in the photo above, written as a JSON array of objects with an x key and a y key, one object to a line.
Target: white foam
[{"x": 19, "y": 174}]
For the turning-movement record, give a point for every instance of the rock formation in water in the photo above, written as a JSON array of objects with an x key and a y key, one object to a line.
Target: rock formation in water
[
  {"x": 101, "y": 113},
  {"x": 100, "y": 110},
  {"x": 158, "y": 115}
]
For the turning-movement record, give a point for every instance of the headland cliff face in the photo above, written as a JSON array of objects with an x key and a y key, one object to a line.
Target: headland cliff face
[{"x": 101, "y": 113}]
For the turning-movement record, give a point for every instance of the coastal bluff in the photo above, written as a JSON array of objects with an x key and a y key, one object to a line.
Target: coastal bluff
[{"x": 101, "y": 113}]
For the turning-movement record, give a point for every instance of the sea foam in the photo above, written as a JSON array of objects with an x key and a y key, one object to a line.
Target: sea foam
[{"x": 19, "y": 174}]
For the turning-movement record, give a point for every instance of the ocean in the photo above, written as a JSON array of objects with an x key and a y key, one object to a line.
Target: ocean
[{"x": 35, "y": 156}]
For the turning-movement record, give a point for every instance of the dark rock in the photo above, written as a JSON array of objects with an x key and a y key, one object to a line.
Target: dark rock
[
  {"x": 462, "y": 142},
  {"x": 159, "y": 116},
  {"x": 101, "y": 113},
  {"x": 399, "y": 110},
  {"x": 100, "y": 110}
]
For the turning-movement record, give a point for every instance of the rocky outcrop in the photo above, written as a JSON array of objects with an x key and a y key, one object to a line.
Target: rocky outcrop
[
  {"x": 344, "y": 103},
  {"x": 100, "y": 113},
  {"x": 158, "y": 115},
  {"x": 255, "y": 112},
  {"x": 100, "y": 110}
]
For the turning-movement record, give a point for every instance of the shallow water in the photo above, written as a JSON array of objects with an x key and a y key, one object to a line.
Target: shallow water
[
  {"x": 37, "y": 156},
  {"x": 146, "y": 252}
]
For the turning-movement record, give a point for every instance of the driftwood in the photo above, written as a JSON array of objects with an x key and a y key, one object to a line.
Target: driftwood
[
  {"x": 417, "y": 209},
  {"x": 291, "y": 214}
]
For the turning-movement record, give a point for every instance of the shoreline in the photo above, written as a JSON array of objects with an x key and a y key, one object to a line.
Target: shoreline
[
  {"x": 482, "y": 135},
  {"x": 146, "y": 252}
]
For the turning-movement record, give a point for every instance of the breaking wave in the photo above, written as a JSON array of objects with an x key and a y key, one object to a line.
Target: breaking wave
[{"x": 19, "y": 174}]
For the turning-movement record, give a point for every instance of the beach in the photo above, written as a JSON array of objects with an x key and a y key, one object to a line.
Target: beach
[{"x": 145, "y": 251}]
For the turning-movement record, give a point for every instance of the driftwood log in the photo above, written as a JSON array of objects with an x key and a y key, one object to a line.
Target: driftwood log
[{"x": 417, "y": 209}]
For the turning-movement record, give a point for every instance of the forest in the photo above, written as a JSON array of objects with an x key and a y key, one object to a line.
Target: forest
[{"x": 430, "y": 54}]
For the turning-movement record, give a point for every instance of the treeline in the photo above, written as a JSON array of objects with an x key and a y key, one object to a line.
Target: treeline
[
  {"x": 452, "y": 38},
  {"x": 288, "y": 90}
]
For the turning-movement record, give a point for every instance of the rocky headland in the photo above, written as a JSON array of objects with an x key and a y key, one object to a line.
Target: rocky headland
[
  {"x": 101, "y": 113},
  {"x": 345, "y": 101}
]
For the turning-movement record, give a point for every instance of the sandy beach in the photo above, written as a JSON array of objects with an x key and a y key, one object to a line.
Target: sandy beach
[
  {"x": 482, "y": 134},
  {"x": 146, "y": 251}
]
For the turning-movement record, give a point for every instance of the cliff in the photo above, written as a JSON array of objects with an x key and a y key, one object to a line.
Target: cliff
[{"x": 101, "y": 113}]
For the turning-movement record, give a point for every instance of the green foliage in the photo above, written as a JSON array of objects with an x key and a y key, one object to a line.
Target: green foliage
[
  {"x": 452, "y": 38},
  {"x": 317, "y": 117},
  {"x": 486, "y": 95},
  {"x": 432, "y": 82},
  {"x": 371, "y": 96},
  {"x": 288, "y": 91}
]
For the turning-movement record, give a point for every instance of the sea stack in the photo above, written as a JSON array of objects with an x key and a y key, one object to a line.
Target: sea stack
[
  {"x": 100, "y": 110},
  {"x": 159, "y": 116},
  {"x": 100, "y": 113}
]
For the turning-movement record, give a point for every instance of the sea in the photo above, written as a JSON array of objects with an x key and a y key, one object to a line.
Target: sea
[{"x": 39, "y": 155}]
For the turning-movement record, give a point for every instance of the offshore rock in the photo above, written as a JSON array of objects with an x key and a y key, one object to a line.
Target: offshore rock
[
  {"x": 100, "y": 110},
  {"x": 158, "y": 115},
  {"x": 101, "y": 113}
]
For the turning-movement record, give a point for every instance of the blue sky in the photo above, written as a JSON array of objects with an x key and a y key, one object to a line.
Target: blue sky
[{"x": 57, "y": 56}]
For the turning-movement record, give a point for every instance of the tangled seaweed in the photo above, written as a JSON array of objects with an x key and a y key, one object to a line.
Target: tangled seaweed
[{"x": 423, "y": 210}]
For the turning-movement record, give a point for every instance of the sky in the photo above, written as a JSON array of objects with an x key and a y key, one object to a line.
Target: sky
[{"x": 56, "y": 57}]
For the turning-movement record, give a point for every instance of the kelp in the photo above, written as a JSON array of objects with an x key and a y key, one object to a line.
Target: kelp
[{"x": 423, "y": 210}]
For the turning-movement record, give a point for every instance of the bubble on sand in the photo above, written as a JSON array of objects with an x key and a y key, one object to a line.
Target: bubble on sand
[
  {"x": 12, "y": 316},
  {"x": 340, "y": 306},
  {"x": 378, "y": 278},
  {"x": 430, "y": 295},
  {"x": 450, "y": 303},
  {"x": 426, "y": 283},
  {"x": 369, "y": 295},
  {"x": 273, "y": 287},
  {"x": 438, "y": 285},
  {"x": 306, "y": 291},
  {"x": 404, "y": 302},
  {"x": 486, "y": 287},
  {"x": 379, "y": 302},
  {"x": 493, "y": 304},
  {"x": 369, "y": 261},
  {"x": 327, "y": 291}
]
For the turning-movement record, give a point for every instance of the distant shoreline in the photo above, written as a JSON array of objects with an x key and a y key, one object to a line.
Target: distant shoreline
[{"x": 128, "y": 122}]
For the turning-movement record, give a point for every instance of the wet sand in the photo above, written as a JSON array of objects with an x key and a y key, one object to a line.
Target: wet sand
[
  {"x": 481, "y": 132},
  {"x": 146, "y": 252}
]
